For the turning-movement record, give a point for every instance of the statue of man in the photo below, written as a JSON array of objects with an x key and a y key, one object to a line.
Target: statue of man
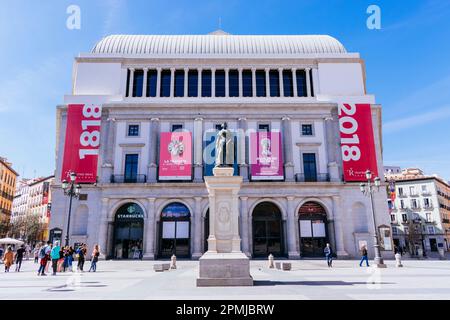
[{"x": 224, "y": 147}]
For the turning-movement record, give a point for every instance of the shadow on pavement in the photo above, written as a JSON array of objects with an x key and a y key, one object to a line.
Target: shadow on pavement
[{"x": 311, "y": 283}]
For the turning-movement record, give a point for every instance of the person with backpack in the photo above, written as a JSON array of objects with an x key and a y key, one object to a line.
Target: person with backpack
[
  {"x": 55, "y": 256},
  {"x": 328, "y": 255},
  {"x": 94, "y": 258},
  {"x": 364, "y": 256},
  {"x": 19, "y": 257},
  {"x": 44, "y": 255}
]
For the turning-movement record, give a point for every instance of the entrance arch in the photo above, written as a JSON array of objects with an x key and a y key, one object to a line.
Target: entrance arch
[
  {"x": 128, "y": 232},
  {"x": 312, "y": 220},
  {"x": 175, "y": 231},
  {"x": 267, "y": 229}
]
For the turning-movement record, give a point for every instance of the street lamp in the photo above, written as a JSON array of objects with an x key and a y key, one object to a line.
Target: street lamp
[
  {"x": 368, "y": 190},
  {"x": 73, "y": 191}
]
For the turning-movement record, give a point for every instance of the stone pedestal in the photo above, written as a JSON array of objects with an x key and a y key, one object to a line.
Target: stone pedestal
[{"x": 224, "y": 264}]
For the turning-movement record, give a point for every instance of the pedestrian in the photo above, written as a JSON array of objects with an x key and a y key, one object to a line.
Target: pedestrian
[
  {"x": 61, "y": 259},
  {"x": 70, "y": 258},
  {"x": 364, "y": 256},
  {"x": 55, "y": 255},
  {"x": 8, "y": 259},
  {"x": 19, "y": 257},
  {"x": 36, "y": 253},
  {"x": 44, "y": 255},
  {"x": 328, "y": 255},
  {"x": 400, "y": 250},
  {"x": 81, "y": 252},
  {"x": 94, "y": 258}
]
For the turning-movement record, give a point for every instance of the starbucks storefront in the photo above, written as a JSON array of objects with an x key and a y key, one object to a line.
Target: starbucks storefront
[{"x": 128, "y": 232}]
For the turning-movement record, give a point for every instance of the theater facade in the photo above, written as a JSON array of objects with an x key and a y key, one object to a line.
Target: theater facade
[{"x": 139, "y": 128}]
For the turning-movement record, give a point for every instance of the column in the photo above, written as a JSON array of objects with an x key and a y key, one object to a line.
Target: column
[
  {"x": 287, "y": 146},
  {"x": 144, "y": 85},
  {"x": 308, "y": 82},
  {"x": 254, "y": 82},
  {"x": 149, "y": 231},
  {"x": 280, "y": 72},
  {"x": 198, "y": 150},
  {"x": 227, "y": 83},
  {"x": 108, "y": 150},
  {"x": 158, "y": 82},
  {"x": 172, "y": 82},
  {"x": 130, "y": 88},
  {"x": 199, "y": 84},
  {"x": 240, "y": 82},
  {"x": 267, "y": 82},
  {"x": 103, "y": 227},
  {"x": 197, "y": 228},
  {"x": 294, "y": 81},
  {"x": 213, "y": 82},
  {"x": 242, "y": 149},
  {"x": 339, "y": 232},
  {"x": 153, "y": 146},
  {"x": 292, "y": 224},
  {"x": 245, "y": 226},
  {"x": 109, "y": 244},
  {"x": 186, "y": 74}
]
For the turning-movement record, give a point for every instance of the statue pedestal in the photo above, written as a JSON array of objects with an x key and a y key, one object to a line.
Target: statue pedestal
[{"x": 224, "y": 264}]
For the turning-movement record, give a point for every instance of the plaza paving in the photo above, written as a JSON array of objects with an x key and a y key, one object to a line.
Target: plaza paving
[{"x": 308, "y": 279}]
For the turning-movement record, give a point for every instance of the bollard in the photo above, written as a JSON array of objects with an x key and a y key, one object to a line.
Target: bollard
[
  {"x": 271, "y": 261},
  {"x": 398, "y": 260},
  {"x": 173, "y": 260}
]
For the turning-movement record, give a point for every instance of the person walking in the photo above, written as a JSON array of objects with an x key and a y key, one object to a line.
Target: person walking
[
  {"x": 94, "y": 258},
  {"x": 364, "y": 256},
  {"x": 8, "y": 259},
  {"x": 19, "y": 257},
  {"x": 81, "y": 256},
  {"x": 328, "y": 255},
  {"x": 70, "y": 258},
  {"x": 44, "y": 255},
  {"x": 36, "y": 253},
  {"x": 55, "y": 255}
]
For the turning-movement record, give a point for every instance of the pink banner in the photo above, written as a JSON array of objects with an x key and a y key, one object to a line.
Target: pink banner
[
  {"x": 266, "y": 159},
  {"x": 357, "y": 141},
  {"x": 175, "y": 156},
  {"x": 82, "y": 143}
]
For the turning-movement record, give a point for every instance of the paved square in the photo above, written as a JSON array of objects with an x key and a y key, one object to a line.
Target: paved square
[{"x": 308, "y": 279}]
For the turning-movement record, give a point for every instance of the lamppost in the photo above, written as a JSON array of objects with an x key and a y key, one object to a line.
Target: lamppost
[
  {"x": 73, "y": 191},
  {"x": 368, "y": 190}
]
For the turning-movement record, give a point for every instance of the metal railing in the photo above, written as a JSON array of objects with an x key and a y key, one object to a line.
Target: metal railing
[
  {"x": 120, "y": 178},
  {"x": 318, "y": 177}
]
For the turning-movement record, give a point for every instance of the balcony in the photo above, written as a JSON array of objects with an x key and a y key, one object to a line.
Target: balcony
[
  {"x": 319, "y": 177},
  {"x": 414, "y": 195},
  {"x": 428, "y": 207},
  {"x": 426, "y": 193},
  {"x": 402, "y": 195},
  {"x": 120, "y": 178}
]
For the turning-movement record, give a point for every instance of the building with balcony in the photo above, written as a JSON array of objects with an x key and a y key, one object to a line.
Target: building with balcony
[
  {"x": 420, "y": 210},
  {"x": 153, "y": 85},
  {"x": 8, "y": 178}
]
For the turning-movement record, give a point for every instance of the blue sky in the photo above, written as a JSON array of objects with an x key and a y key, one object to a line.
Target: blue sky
[{"x": 407, "y": 61}]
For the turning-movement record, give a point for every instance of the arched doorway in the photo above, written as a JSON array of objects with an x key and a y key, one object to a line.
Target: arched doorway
[
  {"x": 267, "y": 231},
  {"x": 175, "y": 231},
  {"x": 313, "y": 229},
  {"x": 128, "y": 232}
]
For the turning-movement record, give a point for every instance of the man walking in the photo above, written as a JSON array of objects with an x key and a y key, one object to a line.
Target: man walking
[
  {"x": 364, "y": 256},
  {"x": 55, "y": 257},
  {"x": 328, "y": 255},
  {"x": 44, "y": 255},
  {"x": 19, "y": 257}
]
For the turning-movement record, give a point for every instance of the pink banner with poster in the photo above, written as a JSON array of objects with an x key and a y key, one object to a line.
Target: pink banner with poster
[
  {"x": 266, "y": 160},
  {"x": 175, "y": 156}
]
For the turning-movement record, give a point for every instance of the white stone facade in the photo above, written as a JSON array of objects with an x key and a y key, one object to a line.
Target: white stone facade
[{"x": 334, "y": 76}]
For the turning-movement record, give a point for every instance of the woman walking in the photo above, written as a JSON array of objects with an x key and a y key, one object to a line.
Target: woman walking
[
  {"x": 94, "y": 258},
  {"x": 8, "y": 259}
]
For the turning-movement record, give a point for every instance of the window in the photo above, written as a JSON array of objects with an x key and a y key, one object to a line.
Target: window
[
  {"x": 133, "y": 130},
  {"x": 412, "y": 191},
  {"x": 192, "y": 83},
  {"x": 179, "y": 83},
  {"x": 404, "y": 217},
  {"x": 247, "y": 85},
  {"x": 127, "y": 94},
  {"x": 233, "y": 83},
  {"x": 138, "y": 83},
  {"x": 402, "y": 204},
  {"x": 406, "y": 230},
  {"x": 301, "y": 83},
  {"x": 177, "y": 127},
  {"x": 309, "y": 167},
  {"x": 428, "y": 216},
  {"x": 430, "y": 230},
  {"x": 260, "y": 83},
  {"x": 274, "y": 79},
  {"x": 414, "y": 203},
  {"x": 307, "y": 130},
  {"x": 165, "y": 83},
  {"x": 311, "y": 83},
  {"x": 394, "y": 230},
  {"x": 131, "y": 167},
  {"x": 206, "y": 83},
  {"x": 400, "y": 191},
  {"x": 424, "y": 188},
  {"x": 152, "y": 77},
  {"x": 426, "y": 202},
  {"x": 220, "y": 83},
  {"x": 392, "y": 217},
  {"x": 263, "y": 127},
  {"x": 287, "y": 83}
]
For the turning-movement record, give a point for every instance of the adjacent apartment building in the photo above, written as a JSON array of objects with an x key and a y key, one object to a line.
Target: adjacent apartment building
[
  {"x": 8, "y": 178},
  {"x": 148, "y": 109}
]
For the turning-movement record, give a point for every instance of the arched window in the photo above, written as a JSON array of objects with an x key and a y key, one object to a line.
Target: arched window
[
  {"x": 312, "y": 229},
  {"x": 128, "y": 232},
  {"x": 175, "y": 231},
  {"x": 267, "y": 230}
]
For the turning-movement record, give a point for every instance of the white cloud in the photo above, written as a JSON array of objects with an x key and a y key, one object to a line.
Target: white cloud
[{"x": 416, "y": 120}]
